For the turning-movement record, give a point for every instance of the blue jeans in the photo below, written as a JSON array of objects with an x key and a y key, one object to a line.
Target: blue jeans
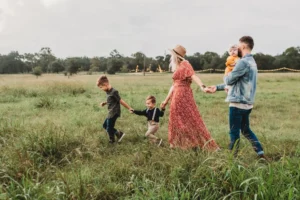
[
  {"x": 109, "y": 126},
  {"x": 239, "y": 121}
]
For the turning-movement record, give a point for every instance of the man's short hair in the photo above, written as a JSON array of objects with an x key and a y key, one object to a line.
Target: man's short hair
[
  {"x": 247, "y": 40},
  {"x": 152, "y": 98},
  {"x": 102, "y": 80}
]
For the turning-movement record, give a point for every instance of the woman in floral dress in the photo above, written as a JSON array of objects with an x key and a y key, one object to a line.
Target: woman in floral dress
[{"x": 186, "y": 127}]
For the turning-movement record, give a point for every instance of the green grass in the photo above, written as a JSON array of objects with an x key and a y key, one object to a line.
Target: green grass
[{"x": 53, "y": 146}]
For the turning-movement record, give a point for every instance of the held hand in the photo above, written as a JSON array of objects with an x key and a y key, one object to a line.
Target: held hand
[
  {"x": 103, "y": 104},
  {"x": 203, "y": 87},
  {"x": 226, "y": 90},
  {"x": 210, "y": 89},
  {"x": 163, "y": 104},
  {"x": 131, "y": 110}
]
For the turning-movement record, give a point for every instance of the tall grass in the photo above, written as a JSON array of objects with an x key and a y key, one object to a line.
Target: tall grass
[{"x": 53, "y": 147}]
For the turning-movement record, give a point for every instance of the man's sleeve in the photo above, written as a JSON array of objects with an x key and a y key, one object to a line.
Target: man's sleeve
[
  {"x": 238, "y": 71},
  {"x": 221, "y": 87}
]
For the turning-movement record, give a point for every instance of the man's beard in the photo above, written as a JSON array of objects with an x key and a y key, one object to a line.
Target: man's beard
[{"x": 240, "y": 53}]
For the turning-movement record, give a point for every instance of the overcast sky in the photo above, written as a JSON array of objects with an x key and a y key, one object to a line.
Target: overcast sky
[{"x": 95, "y": 27}]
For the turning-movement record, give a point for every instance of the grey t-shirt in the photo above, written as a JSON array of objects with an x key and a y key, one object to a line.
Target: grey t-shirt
[{"x": 113, "y": 103}]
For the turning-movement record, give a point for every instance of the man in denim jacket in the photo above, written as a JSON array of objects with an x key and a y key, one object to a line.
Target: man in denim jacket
[{"x": 241, "y": 96}]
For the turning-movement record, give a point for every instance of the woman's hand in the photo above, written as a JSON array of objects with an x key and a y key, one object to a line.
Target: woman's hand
[
  {"x": 210, "y": 89},
  {"x": 203, "y": 87},
  {"x": 163, "y": 104}
]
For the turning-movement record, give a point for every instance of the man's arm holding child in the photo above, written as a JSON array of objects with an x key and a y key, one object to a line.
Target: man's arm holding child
[{"x": 238, "y": 71}]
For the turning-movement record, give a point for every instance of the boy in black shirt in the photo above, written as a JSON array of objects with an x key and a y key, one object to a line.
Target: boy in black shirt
[
  {"x": 114, "y": 109},
  {"x": 152, "y": 113}
]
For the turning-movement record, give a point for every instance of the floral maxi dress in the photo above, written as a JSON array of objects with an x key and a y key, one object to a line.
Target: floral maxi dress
[{"x": 186, "y": 127}]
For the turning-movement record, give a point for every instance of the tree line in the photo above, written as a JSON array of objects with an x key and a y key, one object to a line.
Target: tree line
[{"x": 45, "y": 61}]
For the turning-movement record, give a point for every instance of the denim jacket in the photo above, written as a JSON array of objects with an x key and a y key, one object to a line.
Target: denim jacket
[{"x": 243, "y": 81}]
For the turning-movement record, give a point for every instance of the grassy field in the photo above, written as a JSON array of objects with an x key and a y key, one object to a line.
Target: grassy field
[{"x": 52, "y": 145}]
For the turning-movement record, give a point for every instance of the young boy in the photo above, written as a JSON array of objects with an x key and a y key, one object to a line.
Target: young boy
[
  {"x": 152, "y": 113},
  {"x": 114, "y": 109}
]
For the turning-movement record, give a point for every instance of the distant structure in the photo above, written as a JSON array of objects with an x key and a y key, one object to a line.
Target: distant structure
[
  {"x": 137, "y": 69},
  {"x": 159, "y": 68}
]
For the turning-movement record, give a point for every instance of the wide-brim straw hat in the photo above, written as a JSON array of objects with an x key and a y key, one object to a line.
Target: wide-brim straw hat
[{"x": 179, "y": 50}]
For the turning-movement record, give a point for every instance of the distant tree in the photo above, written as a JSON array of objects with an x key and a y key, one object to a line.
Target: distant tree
[
  {"x": 95, "y": 64},
  {"x": 124, "y": 69},
  {"x": 37, "y": 71},
  {"x": 56, "y": 66},
  {"x": 114, "y": 65},
  {"x": 114, "y": 62},
  {"x": 264, "y": 61},
  {"x": 72, "y": 65},
  {"x": 139, "y": 59},
  {"x": 291, "y": 58},
  {"x": 103, "y": 64},
  {"x": 30, "y": 60},
  {"x": 115, "y": 54},
  {"x": 12, "y": 63},
  {"x": 84, "y": 63},
  {"x": 45, "y": 58},
  {"x": 196, "y": 61},
  {"x": 130, "y": 63},
  {"x": 211, "y": 60}
]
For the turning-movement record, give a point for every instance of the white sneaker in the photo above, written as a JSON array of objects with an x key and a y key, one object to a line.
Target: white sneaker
[
  {"x": 160, "y": 141},
  {"x": 121, "y": 136}
]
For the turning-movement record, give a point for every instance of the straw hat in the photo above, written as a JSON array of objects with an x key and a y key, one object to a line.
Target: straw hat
[{"x": 179, "y": 50}]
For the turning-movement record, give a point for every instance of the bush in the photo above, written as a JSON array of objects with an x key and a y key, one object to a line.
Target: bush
[
  {"x": 37, "y": 71},
  {"x": 45, "y": 102}
]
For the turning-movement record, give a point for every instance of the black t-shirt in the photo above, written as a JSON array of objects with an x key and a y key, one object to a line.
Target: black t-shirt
[{"x": 113, "y": 103}]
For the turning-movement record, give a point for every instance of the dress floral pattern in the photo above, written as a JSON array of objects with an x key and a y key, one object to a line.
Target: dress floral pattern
[{"x": 186, "y": 127}]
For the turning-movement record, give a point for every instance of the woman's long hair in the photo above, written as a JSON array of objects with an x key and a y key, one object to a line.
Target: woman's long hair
[{"x": 175, "y": 60}]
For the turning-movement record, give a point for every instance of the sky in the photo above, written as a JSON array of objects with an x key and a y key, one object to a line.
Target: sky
[{"x": 96, "y": 27}]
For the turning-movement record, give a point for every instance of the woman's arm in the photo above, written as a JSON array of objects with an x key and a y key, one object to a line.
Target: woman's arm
[
  {"x": 198, "y": 81},
  {"x": 165, "y": 102}
]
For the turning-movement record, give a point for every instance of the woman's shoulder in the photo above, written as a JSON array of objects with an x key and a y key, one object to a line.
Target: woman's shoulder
[{"x": 186, "y": 64}]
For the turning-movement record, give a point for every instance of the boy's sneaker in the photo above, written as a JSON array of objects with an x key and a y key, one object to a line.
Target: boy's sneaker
[
  {"x": 120, "y": 136},
  {"x": 159, "y": 142}
]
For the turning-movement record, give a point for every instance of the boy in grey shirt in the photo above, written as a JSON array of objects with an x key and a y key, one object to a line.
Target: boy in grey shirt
[{"x": 114, "y": 109}]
